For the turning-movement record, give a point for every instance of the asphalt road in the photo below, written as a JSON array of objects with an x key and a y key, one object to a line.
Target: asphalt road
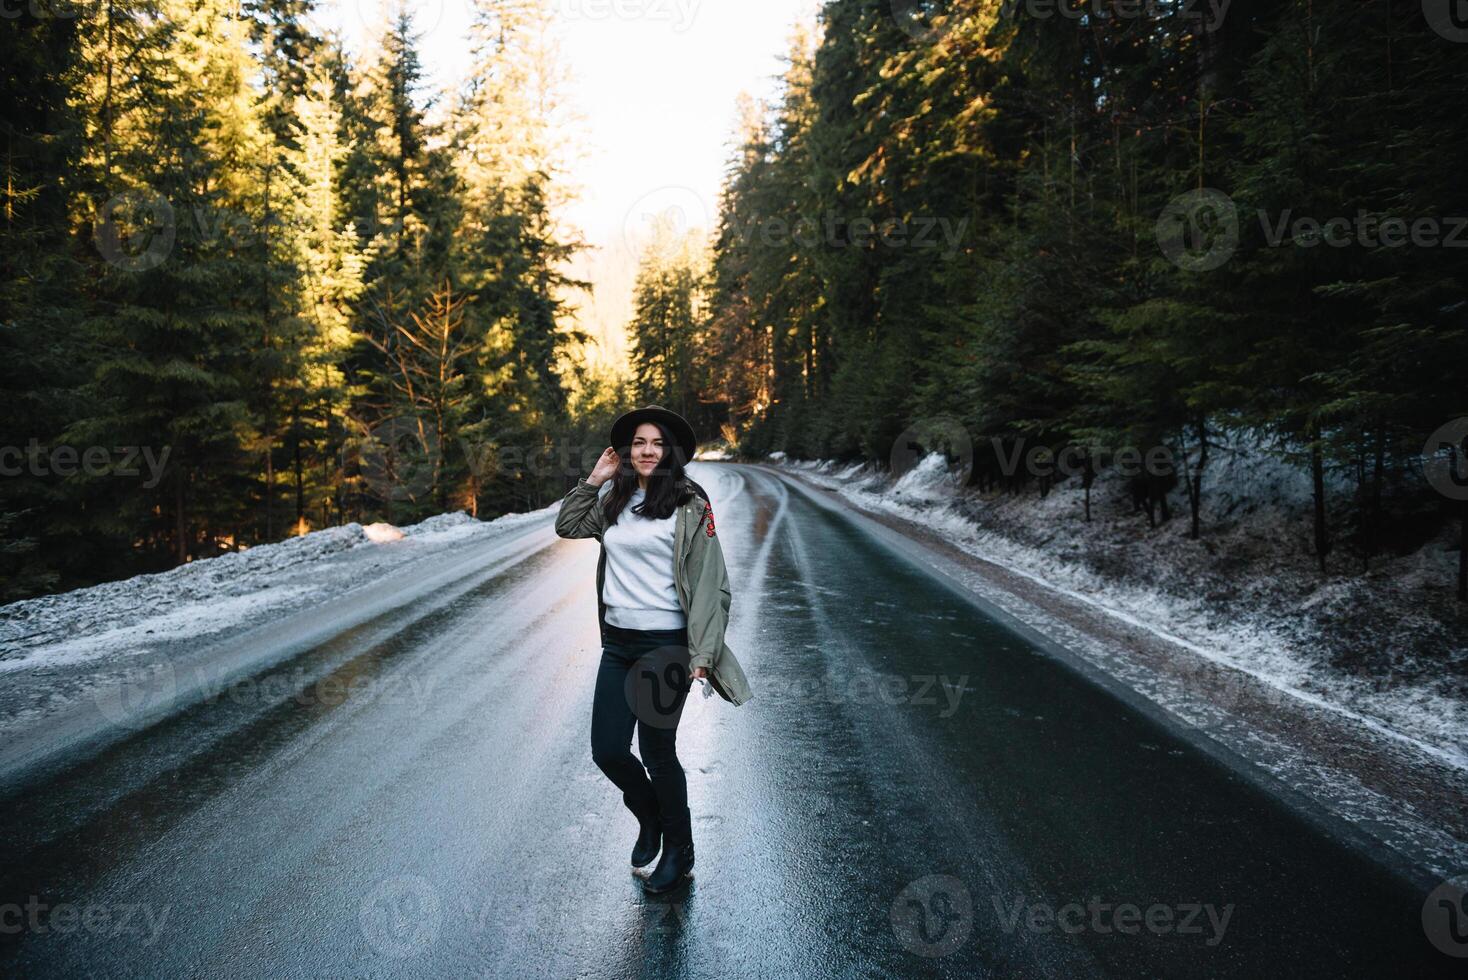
[{"x": 915, "y": 790}]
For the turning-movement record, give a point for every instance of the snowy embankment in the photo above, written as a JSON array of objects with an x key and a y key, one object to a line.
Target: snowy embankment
[
  {"x": 214, "y": 595},
  {"x": 58, "y": 651},
  {"x": 1386, "y": 649}
]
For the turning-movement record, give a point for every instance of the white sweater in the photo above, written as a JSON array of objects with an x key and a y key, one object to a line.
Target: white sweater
[{"x": 638, "y": 589}]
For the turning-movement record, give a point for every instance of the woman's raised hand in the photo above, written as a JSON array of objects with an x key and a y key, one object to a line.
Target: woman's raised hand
[{"x": 606, "y": 467}]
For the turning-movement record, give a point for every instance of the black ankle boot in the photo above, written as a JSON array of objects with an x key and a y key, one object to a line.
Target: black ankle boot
[
  {"x": 649, "y": 839},
  {"x": 677, "y": 860}
]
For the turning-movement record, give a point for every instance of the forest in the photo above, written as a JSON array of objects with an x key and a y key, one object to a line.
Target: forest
[
  {"x": 292, "y": 277},
  {"x": 1104, "y": 230},
  {"x": 1182, "y": 231}
]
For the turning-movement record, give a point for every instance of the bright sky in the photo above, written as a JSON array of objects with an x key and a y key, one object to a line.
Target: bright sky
[{"x": 655, "y": 84}]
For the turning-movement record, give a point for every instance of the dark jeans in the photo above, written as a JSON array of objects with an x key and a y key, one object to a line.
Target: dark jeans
[{"x": 642, "y": 682}]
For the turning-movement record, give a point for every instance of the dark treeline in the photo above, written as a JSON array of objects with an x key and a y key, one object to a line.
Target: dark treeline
[
  {"x": 299, "y": 295},
  {"x": 1096, "y": 232}
]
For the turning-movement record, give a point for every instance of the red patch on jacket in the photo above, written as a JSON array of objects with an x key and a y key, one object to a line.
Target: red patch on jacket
[{"x": 708, "y": 519}]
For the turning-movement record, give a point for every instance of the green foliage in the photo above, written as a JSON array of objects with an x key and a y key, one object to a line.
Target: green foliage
[
  {"x": 231, "y": 246},
  {"x": 1057, "y": 318}
]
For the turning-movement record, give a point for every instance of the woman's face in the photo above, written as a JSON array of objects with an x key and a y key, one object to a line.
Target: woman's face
[{"x": 647, "y": 448}]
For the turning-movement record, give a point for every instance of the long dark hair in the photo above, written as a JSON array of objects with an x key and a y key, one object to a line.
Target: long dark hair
[{"x": 667, "y": 488}]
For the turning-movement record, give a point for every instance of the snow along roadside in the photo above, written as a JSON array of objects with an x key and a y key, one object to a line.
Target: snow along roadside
[
  {"x": 1403, "y": 789},
  {"x": 56, "y": 651},
  {"x": 1426, "y": 720}
]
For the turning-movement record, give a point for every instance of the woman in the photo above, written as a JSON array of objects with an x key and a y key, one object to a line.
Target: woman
[{"x": 663, "y": 603}]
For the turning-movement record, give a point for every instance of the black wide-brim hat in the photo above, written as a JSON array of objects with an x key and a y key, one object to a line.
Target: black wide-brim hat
[{"x": 626, "y": 426}]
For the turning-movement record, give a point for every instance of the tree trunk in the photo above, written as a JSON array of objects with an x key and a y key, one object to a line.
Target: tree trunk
[
  {"x": 180, "y": 526},
  {"x": 1463, "y": 554},
  {"x": 439, "y": 474},
  {"x": 1373, "y": 523},
  {"x": 269, "y": 491},
  {"x": 269, "y": 401},
  {"x": 1088, "y": 477},
  {"x": 300, "y": 467},
  {"x": 1194, "y": 478},
  {"x": 1317, "y": 477}
]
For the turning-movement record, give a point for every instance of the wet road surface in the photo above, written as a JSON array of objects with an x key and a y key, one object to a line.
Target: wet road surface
[{"x": 914, "y": 790}]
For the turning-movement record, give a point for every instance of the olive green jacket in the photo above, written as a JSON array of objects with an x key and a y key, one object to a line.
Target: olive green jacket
[{"x": 699, "y": 573}]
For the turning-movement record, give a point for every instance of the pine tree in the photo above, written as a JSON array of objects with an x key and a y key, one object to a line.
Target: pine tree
[
  {"x": 333, "y": 265},
  {"x": 180, "y": 328},
  {"x": 667, "y": 322},
  {"x": 511, "y": 247}
]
